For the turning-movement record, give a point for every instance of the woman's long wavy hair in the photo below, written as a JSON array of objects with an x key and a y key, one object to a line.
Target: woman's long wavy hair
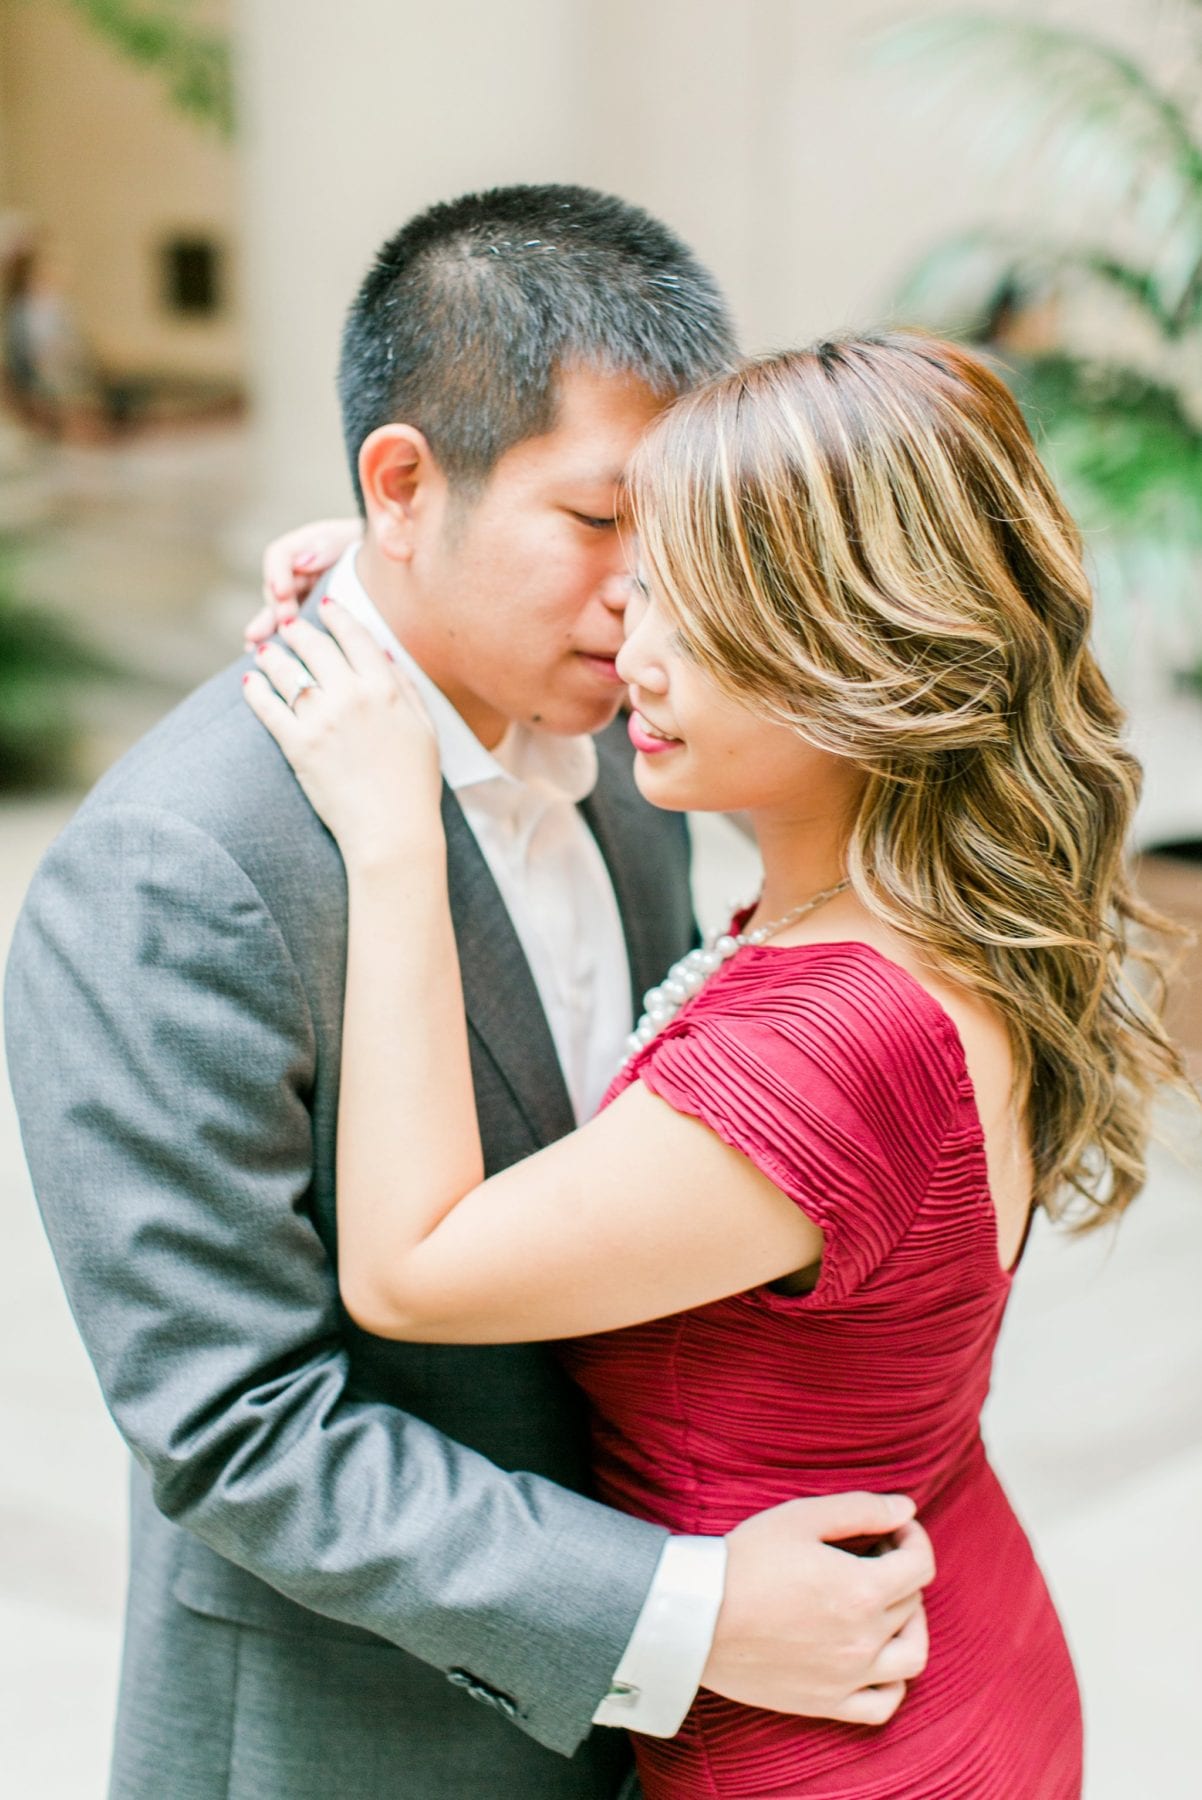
[{"x": 861, "y": 539}]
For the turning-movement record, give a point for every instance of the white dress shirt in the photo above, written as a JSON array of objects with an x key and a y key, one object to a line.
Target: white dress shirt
[{"x": 521, "y": 802}]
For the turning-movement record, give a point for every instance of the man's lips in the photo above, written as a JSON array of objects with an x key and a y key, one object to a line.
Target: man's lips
[
  {"x": 646, "y": 738},
  {"x": 605, "y": 666}
]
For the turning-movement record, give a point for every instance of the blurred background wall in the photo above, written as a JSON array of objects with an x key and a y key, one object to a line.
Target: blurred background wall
[
  {"x": 124, "y": 185},
  {"x": 804, "y": 175},
  {"x": 207, "y": 179},
  {"x": 190, "y": 191}
]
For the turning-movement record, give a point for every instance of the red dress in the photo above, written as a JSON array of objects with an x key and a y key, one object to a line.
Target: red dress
[{"x": 845, "y": 1082}]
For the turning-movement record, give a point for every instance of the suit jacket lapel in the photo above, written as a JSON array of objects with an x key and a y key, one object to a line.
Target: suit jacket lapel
[
  {"x": 502, "y": 1001},
  {"x": 656, "y": 912},
  {"x": 602, "y": 810}
]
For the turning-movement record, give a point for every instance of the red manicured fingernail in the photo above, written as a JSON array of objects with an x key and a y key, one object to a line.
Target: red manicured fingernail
[
  {"x": 260, "y": 649},
  {"x": 246, "y": 678},
  {"x": 327, "y": 600}
]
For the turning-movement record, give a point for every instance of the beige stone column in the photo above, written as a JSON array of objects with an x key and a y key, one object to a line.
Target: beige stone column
[{"x": 355, "y": 117}]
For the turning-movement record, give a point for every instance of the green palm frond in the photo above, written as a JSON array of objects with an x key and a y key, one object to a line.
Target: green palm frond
[
  {"x": 955, "y": 283},
  {"x": 1111, "y": 138},
  {"x": 44, "y": 667},
  {"x": 1123, "y": 441},
  {"x": 1129, "y": 459},
  {"x": 959, "y": 280},
  {"x": 193, "y": 60}
]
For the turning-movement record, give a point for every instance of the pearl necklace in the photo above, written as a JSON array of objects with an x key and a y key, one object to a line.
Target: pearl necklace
[{"x": 690, "y": 974}]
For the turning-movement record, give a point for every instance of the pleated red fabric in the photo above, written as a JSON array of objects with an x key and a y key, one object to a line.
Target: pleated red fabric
[{"x": 845, "y": 1081}]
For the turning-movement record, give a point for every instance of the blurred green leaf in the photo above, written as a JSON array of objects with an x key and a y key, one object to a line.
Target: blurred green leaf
[
  {"x": 961, "y": 277},
  {"x": 1134, "y": 453},
  {"x": 194, "y": 61},
  {"x": 42, "y": 667},
  {"x": 1101, "y": 126}
]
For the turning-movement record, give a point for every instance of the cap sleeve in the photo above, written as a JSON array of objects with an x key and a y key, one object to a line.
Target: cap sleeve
[{"x": 839, "y": 1082}]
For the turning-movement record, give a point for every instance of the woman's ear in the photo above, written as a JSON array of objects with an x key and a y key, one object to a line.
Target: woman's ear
[{"x": 400, "y": 479}]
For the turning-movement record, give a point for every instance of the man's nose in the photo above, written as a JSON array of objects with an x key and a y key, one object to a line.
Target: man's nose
[{"x": 615, "y": 592}]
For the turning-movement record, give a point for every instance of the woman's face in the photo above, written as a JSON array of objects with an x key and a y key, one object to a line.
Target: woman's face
[{"x": 699, "y": 750}]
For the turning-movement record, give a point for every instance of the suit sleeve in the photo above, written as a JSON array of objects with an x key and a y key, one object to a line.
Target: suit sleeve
[{"x": 162, "y": 1053}]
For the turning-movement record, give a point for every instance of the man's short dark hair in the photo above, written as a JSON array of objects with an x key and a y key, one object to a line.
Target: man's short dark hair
[{"x": 469, "y": 313}]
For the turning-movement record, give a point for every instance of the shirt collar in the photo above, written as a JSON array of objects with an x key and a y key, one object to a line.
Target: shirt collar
[{"x": 563, "y": 768}]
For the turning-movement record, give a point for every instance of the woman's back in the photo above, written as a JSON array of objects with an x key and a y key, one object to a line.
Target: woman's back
[{"x": 846, "y": 1083}]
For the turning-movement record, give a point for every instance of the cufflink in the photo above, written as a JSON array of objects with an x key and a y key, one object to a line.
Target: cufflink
[{"x": 480, "y": 1690}]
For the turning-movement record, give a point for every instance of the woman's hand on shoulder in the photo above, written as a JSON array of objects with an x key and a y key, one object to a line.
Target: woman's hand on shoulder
[
  {"x": 357, "y": 734},
  {"x": 292, "y": 566}
]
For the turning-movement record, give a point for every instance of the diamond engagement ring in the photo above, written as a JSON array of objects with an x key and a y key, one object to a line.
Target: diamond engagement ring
[{"x": 304, "y": 682}]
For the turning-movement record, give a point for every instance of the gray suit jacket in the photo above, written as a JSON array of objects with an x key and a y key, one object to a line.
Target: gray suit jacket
[{"x": 307, "y": 1497}]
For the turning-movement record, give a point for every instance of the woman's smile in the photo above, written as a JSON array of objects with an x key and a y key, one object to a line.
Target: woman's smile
[{"x": 647, "y": 738}]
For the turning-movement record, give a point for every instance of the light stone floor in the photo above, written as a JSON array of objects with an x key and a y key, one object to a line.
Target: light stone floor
[{"x": 1095, "y": 1422}]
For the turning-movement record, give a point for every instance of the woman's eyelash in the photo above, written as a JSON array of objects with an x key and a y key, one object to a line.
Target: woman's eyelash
[{"x": 596, "y": 524}]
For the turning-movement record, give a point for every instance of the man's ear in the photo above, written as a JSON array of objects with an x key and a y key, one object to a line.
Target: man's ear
[{"x": 401, "y": 484}]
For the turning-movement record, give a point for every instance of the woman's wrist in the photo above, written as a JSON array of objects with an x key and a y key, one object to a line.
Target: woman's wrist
[{"x": 388, "y": 858}]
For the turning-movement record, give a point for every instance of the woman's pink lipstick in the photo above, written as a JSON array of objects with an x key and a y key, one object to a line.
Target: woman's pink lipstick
[{"x": 643, "y": 740}]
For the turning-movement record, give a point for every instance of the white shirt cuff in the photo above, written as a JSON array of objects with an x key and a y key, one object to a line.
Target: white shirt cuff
[{"x": 657, "y": 1679}]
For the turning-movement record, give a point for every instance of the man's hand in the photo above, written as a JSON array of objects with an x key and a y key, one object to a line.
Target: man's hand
[{"x": 809, "y": 1628}]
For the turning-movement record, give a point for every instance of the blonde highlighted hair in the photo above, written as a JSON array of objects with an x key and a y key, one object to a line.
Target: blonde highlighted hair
[{"x": 861, "y": 540}]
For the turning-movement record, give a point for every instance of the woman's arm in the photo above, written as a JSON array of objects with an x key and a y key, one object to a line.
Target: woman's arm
[{"x": 641, "y": 1213}]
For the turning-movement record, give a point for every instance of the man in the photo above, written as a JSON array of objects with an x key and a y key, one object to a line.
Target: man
[{"x": 331, "y": 1551}]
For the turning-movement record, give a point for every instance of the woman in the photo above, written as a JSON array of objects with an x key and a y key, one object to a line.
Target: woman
[{"x": 779, "y": 1257}]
